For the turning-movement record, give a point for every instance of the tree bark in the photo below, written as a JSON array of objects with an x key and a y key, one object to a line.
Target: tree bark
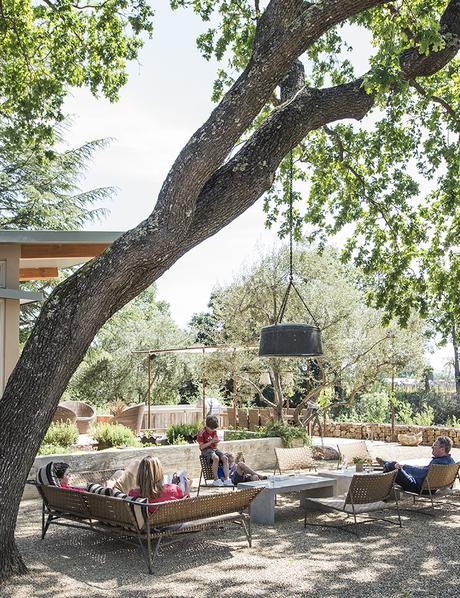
[
  {"x": 201, "y": 194},
  {"x": 456, "y": 363}
]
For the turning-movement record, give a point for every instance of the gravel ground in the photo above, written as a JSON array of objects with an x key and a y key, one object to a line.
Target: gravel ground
[{"x": 421, "y": 559}]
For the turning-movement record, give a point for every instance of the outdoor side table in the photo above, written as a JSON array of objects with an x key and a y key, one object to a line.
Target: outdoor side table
[
  {"x": 263, "y": 506},
  {"x": 342, "y": 477}
]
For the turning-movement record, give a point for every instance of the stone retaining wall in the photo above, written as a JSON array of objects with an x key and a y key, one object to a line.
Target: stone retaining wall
[
  {"x": 259, "y": 454},
  {"x": 383, "y": 431}
]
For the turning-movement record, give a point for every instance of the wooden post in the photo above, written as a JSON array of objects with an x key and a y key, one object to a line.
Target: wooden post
[
  {"x": 393, "y": 439},
  {"x": 234, "y": 389},
  {"x": 203, "y": 388},
  {"x": 149, "y": 382}
]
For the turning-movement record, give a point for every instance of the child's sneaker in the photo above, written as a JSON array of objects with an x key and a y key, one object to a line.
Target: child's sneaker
[
  {"x": 228, "y": 482},
  {"x": 218, "y": 483}
]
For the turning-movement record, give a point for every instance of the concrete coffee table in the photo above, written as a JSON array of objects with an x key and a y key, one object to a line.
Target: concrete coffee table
[{"x": 263, "y": 506}]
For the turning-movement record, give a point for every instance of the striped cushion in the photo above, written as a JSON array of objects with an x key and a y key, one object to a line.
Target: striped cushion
[
  {"x": 46, "y": 476},
  {"x": 99, "y": 489},
  {"x": 140, "y": 510}
]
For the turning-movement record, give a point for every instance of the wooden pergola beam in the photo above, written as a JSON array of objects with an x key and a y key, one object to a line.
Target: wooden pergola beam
[
  {"x": 26, "y": 274},
  {"x": 61, "y": 250}
]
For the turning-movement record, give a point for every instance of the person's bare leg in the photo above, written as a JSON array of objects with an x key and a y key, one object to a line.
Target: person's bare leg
[
  {"x": 215, "y": 465},
  {"x": 242, "y": 469},
  {"x": 224, "y": 460}
]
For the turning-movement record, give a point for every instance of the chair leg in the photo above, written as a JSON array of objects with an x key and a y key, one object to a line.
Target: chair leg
[
  {"x": 147, "y": 554},
  {"x": 199, "y": 485},
  {"x": 247, "y": 530},
  {"x": 157, "y": 547},
  {"x": 45, "y": 525},
  {"x": 355, "y": 524}
]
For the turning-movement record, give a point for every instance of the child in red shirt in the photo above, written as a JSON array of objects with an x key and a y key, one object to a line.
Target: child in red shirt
[
  {"x": 207, "y": 440},
  {"x": 62, "y": 472}
]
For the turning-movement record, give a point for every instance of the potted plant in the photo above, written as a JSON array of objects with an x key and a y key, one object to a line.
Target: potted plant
[{"x": 360, "y": 462}]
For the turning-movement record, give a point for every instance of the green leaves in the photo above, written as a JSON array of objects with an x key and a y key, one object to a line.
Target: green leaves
[
  {"x": 49, "y": 47},
  {"x": 39, "y": 187}
]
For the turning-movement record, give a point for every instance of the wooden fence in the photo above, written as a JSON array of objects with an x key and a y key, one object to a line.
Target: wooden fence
[{"x": 162, "y": 416}]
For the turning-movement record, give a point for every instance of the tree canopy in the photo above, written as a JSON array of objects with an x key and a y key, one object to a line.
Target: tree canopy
[
  {"x": 111, "y": 371},
  {"x": 357, "y": 347},
  {"x": 48, "y": 46}
]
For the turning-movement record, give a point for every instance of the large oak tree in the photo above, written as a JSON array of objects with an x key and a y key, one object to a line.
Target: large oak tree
[{"x": 210, "y": 184}]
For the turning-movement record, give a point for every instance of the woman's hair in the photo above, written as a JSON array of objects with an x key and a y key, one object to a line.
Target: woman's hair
[
  {"x": 150, "y": 477},
  {"x": 59, "y": 469}
]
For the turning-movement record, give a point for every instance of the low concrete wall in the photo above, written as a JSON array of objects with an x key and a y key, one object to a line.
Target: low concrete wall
[
  {"x": 383, "y": 431},
  {"x": 258, "y": 453}
]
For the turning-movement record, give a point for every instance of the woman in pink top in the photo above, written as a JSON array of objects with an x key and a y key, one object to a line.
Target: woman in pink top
[{"x": 150, "y": 483}]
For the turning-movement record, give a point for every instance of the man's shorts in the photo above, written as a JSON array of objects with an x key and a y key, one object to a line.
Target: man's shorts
[{"x": 208, "y": 453}]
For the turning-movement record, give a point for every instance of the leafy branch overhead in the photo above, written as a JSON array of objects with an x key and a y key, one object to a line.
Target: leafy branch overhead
[
  {"x": 49, "y": 46},
  {"x": 392, "y": 181}
]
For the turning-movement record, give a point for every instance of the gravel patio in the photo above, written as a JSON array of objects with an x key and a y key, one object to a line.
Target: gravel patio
[{"x": 421, "y": 559}]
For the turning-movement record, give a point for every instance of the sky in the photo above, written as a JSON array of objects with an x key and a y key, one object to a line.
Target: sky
[{"x": 165, "y": 100}]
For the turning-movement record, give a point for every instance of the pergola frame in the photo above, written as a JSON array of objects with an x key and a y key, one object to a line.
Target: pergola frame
[{"x": 203, "y": 349}]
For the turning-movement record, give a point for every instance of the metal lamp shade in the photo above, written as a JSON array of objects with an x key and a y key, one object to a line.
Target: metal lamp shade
[{"x": 290, "y": 340}]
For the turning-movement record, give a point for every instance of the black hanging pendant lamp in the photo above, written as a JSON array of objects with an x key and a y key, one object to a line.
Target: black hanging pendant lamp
[{"x": 290, "y": 340}]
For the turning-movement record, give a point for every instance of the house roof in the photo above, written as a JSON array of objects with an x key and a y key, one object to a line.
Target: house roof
[{"x": 44, "y": 252}]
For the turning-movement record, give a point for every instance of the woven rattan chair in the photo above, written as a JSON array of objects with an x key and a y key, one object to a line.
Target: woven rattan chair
[
  {"x": 206, "y": 476},
  {"x": 63, "y": 414},
  {"x": 131, "y": 417},
  {"x": 121, "y": 517},
  {"x": 85, "y": 414},
  {"x": 353, "y": 449},
  {"x": 293, "y": 459},
  {"x": 438, "y": 482},
  {"x": 368, "y": 493}
]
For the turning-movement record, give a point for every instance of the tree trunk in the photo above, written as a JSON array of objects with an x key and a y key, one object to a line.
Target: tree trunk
[
  {"x": 278, "y": 391},
  {"x": 207, "y": 188},
  {"x": 456, "y": 364},
  {"x": 11, "y": 489}
]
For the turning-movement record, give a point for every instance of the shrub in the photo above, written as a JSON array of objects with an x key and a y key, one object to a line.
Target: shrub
[
  {"x": 425, "y": 417},
  {"x": 117, "y": 407},
  {"x": 61, "y": 434},
  {"x": 53, "y": 449},
  {"x": 454, "y": 422},
  {"x": 287, "y": 433},
  {"x": 373, "y": 407},
  {"x": 445, "y": 405},
  {"x": 115, "y": 435},
  {"x": 404, "y": 413},
  {"x": 241, "y": 434},
  {"x": 188, "y": 432},
  {"x": 270, "y": 430}
]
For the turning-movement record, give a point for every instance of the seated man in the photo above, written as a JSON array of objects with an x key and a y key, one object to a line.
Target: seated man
[
  {"x": 411, "y": 477},
  {"x": 238, "y": 471}
]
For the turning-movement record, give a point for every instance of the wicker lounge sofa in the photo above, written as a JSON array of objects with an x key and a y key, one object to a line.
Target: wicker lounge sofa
[
  {"x": 347, "y": 452},
  {"x": 131, "y": 519},
  {"x": 367, "y": 494}
]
